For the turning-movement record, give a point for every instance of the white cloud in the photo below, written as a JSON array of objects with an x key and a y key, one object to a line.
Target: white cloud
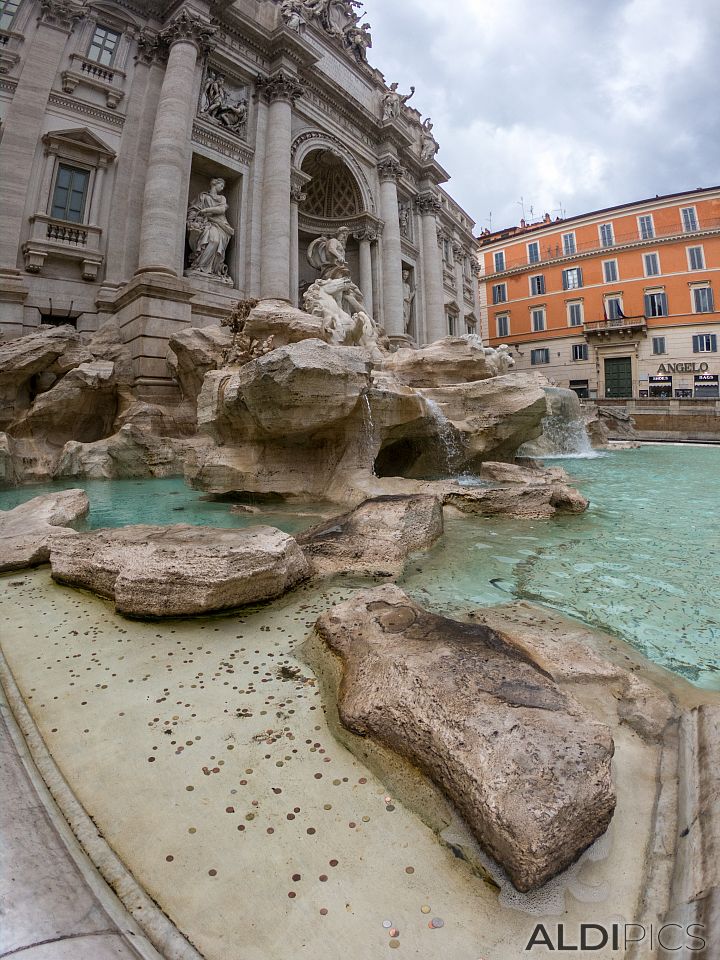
[{"x": 563, "y": 102}]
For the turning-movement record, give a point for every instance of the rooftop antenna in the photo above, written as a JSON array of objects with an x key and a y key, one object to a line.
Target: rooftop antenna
[
  {"x": 532, "y": 213},
  {"x": 521, "y": 204},
  {"x": 489, "y": 221}
]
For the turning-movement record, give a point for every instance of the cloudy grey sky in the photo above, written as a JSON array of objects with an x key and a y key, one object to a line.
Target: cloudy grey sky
[{"x": 572, "y": 104}]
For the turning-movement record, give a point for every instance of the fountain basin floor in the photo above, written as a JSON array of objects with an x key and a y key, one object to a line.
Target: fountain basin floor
[{"x": 201, "y": 751}]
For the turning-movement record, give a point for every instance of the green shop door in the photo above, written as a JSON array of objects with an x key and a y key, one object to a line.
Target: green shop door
[{"x": 618, "y": 377}]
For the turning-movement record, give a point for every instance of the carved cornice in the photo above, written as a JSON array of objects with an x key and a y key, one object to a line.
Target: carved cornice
[
  {"x": 390, "y": 169},
  {"x": 427, "y": 204},
  {"x": 111, "y": 118},
  {"x": 280, "y": 86},
  {"x": 189, "y": 28},
  {"x": 63, "y": 14},
  {"x": 211, "y": 136}
]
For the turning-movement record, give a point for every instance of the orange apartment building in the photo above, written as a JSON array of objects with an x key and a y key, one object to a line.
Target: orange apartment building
[{"x": 618, "y": 303}]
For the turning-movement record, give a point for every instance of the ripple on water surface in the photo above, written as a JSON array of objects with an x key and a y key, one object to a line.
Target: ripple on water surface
[{"x": 642, "y": 563}]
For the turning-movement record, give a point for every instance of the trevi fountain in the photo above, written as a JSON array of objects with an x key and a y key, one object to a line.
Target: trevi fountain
[{"x": 323, "y": 630}]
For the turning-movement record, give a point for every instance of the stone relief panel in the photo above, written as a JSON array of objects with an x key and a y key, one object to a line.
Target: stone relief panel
[{"x": 224, "y": 104}]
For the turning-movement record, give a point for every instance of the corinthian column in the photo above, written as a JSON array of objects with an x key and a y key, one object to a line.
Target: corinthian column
[
  {"x": 164, "y": 206},
  {"x": 366, "y": 237},
  {"x": 459, "y": 257},
  {"x": 23, "y": 124},
  {"x": 296, "y": 198},
  {"x": 428, "y": 205},
  {"x": 281, "y": 90},
  {"x": 390, "y": 170}
]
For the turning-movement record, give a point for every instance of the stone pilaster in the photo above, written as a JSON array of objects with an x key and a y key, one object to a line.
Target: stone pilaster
[
  {"x": 280, "y": 91},
  {"x": 390, "y": 170},
  {"x": 296, "y": 198},
  {"x": 459, "y": 258},
  {"x": 428, "y": 204},
  {"x": 23, "y": 124},
  {"x": 164, "y": 206}
]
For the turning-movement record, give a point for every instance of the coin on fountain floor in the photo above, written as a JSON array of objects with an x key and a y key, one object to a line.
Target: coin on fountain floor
[
  {"x": 387, "y": 924},
  {"x": 436, "y": 923},
  {"x": 394, "y": 933},
  {"x": 425, "y": 909},
  {"x": 394, "y": 944}
]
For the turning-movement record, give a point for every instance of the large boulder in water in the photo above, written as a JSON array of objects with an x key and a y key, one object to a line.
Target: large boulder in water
[
  {"x": 26, "y": 531},
  {"x": 448, "y": 361},
  {"x": 527, "y": 767},
  {"x": 180, "y": 570}
]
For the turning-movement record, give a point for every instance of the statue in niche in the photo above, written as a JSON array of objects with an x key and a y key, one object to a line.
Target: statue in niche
[
  {"x": 292, "y": 13},
  {"x": 428, "y": 144},
  {"x": 404, "y": 218},
  {"x": 327, "y": 254},
  {"x": 408, "y": 300},
  {"x": 209, "y": 233},
  {"x": 219, "y": 108},
  {"x": 393, "y": 102},
  {"x": 358, "y": 39}
]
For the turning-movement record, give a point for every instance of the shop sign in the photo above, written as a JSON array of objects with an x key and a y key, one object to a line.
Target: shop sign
[
  {"x": 660, "y": 379},
  {"x": 683, "y": 368},
  {"x": 707, "y": 378}
]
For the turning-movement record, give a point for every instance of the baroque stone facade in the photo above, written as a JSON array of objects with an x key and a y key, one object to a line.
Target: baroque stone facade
[{"x": 161, "y": 161}]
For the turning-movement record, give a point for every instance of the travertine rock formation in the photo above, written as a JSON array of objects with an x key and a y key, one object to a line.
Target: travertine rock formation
[
  {"x": 532, "y": 502},
  {"x": 131, "y": 452},
  {"x": 524, "y": 763},
  {"x": 443, "y": 363},
  {"x": 180, "y": 570},
  {"x": 27, "y": 530},
  {"x": 528, "y": 473},
  {"x": 375, "y": 538},
  {"x": 193, "y": 353}
]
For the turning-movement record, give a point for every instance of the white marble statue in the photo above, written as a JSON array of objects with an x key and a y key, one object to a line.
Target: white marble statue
[
  {"x": 327, "y": 254},
  {"x": 358, "y": 39},
  {"x": 209, "y": 233},
  {"x": 408, "y": 300},
  {"x": 404, "y": 218},
  {"x": 291, "y": 12},
  {"x": 393, "y": 102},
  {"x": 428, "y": 144},
  {"x": 339, "y": 303}
]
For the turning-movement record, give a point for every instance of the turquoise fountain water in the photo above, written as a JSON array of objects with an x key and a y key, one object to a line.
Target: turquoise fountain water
[{"x": 641, "y": 563}]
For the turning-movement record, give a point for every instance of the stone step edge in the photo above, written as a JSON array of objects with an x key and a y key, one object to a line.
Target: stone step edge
[{"x": 146, "y": 929}]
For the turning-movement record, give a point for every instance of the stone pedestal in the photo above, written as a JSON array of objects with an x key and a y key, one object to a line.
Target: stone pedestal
[
  {"x": 390, "y": 171},
  {"x": 428, "y": 204},
  {"x": 280, "y": 91}
]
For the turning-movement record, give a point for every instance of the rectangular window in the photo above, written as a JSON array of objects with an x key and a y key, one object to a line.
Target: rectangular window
[
  {"x": 503, "y": 325},
  {"x": 537, "y": 285},
  {"x": 8, "y": 9},
  {"x": 533, "y": 252},
  {"x": 539, "y": 356},
  {"x": 703, "y": 301},
  {"x": 607, "y": 236},
  {"x": 103, "y": 45},
  {"x": 569, "y": 247},
  {"x": 452, "y": 324},
  {"x": 613, "y": 308},
  {"x": 656, "y": 305},
  {"x": 499, "y": 293},
  {"x": 705, "y": 343},
  {"x": 651, "y": 262},
  {"x": 572, "y": 278},
  {"x": 646, "y": 228},
  {"x": 696, "y": 258},
  {"x": 575, "y": 314},
  {"x": 499, "y": 261},
  {"x": 70, "y": 194},
  {"x": 580, "y": 351},
  {"x": 689, "y": 219},
  {"x": 610, "y": 271},
  {"x": 658, "y": 345},
  {"x": 538, "y": 320}
]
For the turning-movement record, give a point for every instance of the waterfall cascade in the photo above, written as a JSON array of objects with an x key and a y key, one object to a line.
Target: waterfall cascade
[
  {"x": 448, "y": 441},
  {"x": 564, "y": 431}
]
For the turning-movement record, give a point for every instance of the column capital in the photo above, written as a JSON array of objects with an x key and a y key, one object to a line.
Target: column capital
[
  {"x": 297, "y": 194},
  {"x": 63, "y": 14},
  {"x": 389, "y": 168},
  {"x": 280, "y": 86},
  {"x": 427, "y": 204},
  {"x": 475, "y": 266},
  {"x": 368, "y": 233},
  {"x": 149, "y": 47},
  {"x": 458, "y": 249},
  {"x": 190, "y": 28}
]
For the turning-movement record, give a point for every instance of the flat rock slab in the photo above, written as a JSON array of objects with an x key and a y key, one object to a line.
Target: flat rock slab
[
  {"x": 180, "y": 570},
  {"x": 525, "y": 764},
  {"x": 26, "y": 531},
  {"x": 375, "y": 538},
  {"x": 523, "y": 500}
]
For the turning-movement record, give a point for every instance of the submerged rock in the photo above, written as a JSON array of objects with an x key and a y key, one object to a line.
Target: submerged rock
[
  {"x": 525, "y": 764},
  {"x": 180, "y": 570},
  {"x": 525, "y": 500},
  {"x": 27, "y": 530},
  {"x": 375, "y": 538}
]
